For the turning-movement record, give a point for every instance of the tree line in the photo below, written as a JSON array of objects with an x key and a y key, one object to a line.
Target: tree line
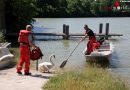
[
  {"x": 21, "y": 12},
  {"x": 81, "y": 8}
]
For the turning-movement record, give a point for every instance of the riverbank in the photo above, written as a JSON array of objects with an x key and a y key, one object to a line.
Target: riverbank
[
  {"x": 91, "y": 78},
  {"x": 10, "y": 80},
  {"x": 87, "y": 79}
]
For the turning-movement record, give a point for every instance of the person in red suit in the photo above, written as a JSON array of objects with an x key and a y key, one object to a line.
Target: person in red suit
[
  {"x": 26, "y": 41},
  {"x": 92, "y": 39}
]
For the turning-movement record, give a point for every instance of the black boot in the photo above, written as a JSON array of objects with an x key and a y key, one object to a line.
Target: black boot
[
  {"x": 19, "y": 73},
  {"x": 27, "y": 73}
]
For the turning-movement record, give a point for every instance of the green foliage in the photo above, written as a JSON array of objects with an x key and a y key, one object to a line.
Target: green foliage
[
  {"x": 51, "y": 8},
  {"x": 95, "y": 8},
  {"x": 22, "y": 11},
  {"x": 78, "y": 8},
  {"x": 19, "y": 13},
  {"x": 2, "y": 38}
]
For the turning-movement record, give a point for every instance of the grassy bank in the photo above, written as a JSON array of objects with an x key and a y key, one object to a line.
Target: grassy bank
[{"x": 88, "y": 79}]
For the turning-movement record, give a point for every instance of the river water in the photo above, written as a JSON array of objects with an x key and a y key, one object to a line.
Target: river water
[{"x": 120, "y": 59}]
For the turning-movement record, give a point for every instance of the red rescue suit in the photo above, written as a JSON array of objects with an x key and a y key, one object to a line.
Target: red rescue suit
[
  {"x": 24, "y": 51},
  {"x": 90, "y": 45},
  {"x": 92, "y": 39},
  {"x": 96, "y": 45}
]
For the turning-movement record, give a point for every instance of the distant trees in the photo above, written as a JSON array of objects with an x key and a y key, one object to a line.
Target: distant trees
[
  {"x": 64, "y": 8},
  {"x": 78, "y": 8},
  {"x": 101, "y": 8},
  {"x": 19, "y": 13},
  {"x": 51, "y": 8}
]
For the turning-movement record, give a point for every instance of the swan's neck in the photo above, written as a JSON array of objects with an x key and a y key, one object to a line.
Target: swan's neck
[{"x": 51, "y": 61}]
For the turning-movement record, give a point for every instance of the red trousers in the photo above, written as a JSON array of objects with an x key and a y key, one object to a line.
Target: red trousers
[
  {"x": 24, "y": 58},
  {"x": 90, "y": 45}
]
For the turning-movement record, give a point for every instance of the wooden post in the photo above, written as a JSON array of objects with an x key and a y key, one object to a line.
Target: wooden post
[
  {"x": 100, "y": 28},
  {"x": 107, "y": 30},
  {"x": 67, "y": 32},
  {"x": 37, "y": 65},
  {"x": 64, "y": 30}
]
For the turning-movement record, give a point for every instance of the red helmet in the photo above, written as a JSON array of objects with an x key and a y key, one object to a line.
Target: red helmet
[{"x": 36, "y": 54}]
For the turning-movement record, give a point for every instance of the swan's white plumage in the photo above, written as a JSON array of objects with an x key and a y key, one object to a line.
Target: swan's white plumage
[
  {"x": 46, "y": 66},
  {"x": 45, "y": 63}
]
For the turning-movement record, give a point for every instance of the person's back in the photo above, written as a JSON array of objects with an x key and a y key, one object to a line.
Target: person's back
[
  {"x": 25, "y": 44},
  {"x": 23, "y": 36}
]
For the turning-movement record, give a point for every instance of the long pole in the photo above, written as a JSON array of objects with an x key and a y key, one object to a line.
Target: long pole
[{"x": 64, "y": 62}]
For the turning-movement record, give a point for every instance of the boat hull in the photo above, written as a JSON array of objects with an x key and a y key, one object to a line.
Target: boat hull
[
  {"x": 97, "y": 58},
  {"x": 102, "y": 54}
]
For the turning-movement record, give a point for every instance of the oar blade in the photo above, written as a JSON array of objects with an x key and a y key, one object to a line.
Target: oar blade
[{"x": 63, "y": 64}]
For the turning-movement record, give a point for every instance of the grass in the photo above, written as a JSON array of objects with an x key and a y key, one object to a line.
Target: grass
[{"x": 89, "y": 79}]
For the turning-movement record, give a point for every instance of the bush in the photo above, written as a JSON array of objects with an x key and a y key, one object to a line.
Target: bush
[
  {"x": 19, "y": 13},
  {"x": 2, "y": 38}
]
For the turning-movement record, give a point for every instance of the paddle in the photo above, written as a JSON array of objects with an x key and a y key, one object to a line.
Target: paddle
[{"x": 64, "y": 62}]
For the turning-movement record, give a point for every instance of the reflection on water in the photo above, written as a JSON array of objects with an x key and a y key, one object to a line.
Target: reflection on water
[{"x": 62, "y": 49}]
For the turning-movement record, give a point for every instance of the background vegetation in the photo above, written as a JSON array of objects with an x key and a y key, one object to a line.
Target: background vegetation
[
  {"x": 81, "y": 8},
  {"x": 19, "y": 13},
  {"x": 2, "y": 38}
]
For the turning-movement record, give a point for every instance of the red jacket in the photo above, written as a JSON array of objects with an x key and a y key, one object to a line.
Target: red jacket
[{"x": 23, "y": 36}]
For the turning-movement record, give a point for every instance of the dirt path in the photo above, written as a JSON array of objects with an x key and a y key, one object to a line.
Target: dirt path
[{"x": 10, "y": 80}]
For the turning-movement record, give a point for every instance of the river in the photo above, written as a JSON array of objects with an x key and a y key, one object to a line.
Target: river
[{"x": 120, "y": 59}]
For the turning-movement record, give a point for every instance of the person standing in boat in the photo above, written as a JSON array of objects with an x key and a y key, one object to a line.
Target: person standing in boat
[{"x": 92, "y": 39}]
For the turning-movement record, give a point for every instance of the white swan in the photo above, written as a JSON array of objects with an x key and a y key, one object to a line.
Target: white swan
[{"x": 46, "y": 66}]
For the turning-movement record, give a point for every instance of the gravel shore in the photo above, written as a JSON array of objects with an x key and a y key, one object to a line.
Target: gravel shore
[{"x": 10, "y": 80}]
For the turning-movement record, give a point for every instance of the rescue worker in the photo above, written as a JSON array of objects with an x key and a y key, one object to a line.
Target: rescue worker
[
  {"x": 26, "y": 41},
  {"x": 92, "y": 39}
]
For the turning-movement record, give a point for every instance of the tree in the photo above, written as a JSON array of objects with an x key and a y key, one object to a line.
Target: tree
[
  {"x": 52, "y": 8},
  {"x": 19, "y": 13},
  {"x": 101, "y": 8},
  {"x": 95, "y": 8},
  {"x": 78, "y": 8}
]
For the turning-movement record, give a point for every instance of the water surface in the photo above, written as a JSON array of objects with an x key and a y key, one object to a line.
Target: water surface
[{"x": 120, "y": 60}]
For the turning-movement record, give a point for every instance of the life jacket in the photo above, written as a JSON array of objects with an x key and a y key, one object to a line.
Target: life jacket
[
  {"x": 96, "y": 45},
  {"x": 23, "y": 36},
  {"x": 36, "y": 54}
]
